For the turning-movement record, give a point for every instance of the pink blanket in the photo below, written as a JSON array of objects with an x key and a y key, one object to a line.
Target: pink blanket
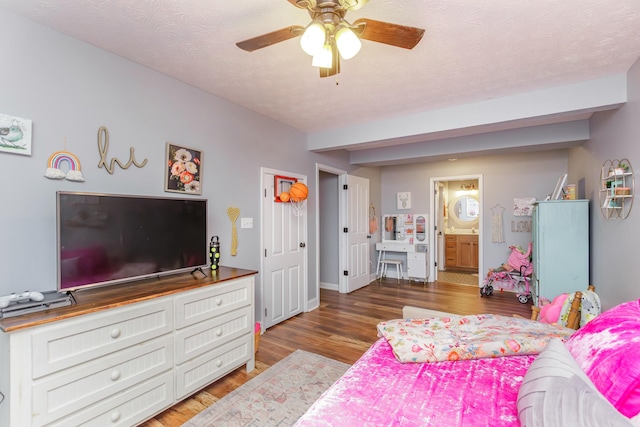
[
  {"x": 476, "y": 336},
  {"x": 380, "y": 391}
]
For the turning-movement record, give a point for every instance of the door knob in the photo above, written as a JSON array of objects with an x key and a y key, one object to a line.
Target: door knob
[{"x": 302, "y": 245}]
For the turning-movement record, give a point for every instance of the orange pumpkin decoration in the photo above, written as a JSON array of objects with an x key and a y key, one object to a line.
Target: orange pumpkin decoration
[
  {"x": 284, "y": 196},
  {"x": 298, "y": 192}
]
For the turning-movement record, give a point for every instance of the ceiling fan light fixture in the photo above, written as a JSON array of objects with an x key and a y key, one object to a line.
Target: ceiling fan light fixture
[
  {"x": 324, "y": 58},
  {"x": 314, "y": 38},
  {"x": 348, "y": 42}
]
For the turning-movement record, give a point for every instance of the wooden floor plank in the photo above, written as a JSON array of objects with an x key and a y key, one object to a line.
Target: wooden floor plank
[{"x": 343, "y": 328}]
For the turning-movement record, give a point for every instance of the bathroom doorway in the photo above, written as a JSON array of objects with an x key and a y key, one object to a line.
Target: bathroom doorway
[{"x": 457, "y": 223}]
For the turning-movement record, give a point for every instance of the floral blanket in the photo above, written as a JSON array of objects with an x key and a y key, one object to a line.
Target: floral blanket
[{"x": 467, "y": 337}]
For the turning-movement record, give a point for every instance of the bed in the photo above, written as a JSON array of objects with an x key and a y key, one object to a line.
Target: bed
[{"x": 588, "y": 378}]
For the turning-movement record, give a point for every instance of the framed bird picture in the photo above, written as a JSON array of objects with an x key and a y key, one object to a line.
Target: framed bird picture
[{"x": 15, "y": 135}]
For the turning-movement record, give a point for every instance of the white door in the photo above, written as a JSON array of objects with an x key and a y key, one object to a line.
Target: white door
[
  {"x": 355, "y": 227},
  {"x": 284, "y": 272}
]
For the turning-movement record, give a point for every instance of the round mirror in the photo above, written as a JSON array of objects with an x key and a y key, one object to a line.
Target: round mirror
[{"x": 464, "y": 210}]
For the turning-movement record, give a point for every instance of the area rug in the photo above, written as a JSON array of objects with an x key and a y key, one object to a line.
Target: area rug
[
  {"x": 277, "y": 397},
  {"x": 470, "y": 279}
]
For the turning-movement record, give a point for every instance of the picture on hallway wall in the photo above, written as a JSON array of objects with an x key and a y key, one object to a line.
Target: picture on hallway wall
[
  {"x": 183, "y": 170},
  {"x": 15, "y": 135},
  {"x": 523, "y": 206},
  {"x": 404, "y": 200}
]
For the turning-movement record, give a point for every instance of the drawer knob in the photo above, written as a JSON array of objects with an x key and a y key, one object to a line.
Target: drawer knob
[
  {"x": 115, "y": 375},
  {"x": 115, "y": 416},
  {"x": 115, "y": 332},
  {"x": 218, "y": 363},
  {"x": 219, "y": 332},
  {"x": 218, "y": 301}
]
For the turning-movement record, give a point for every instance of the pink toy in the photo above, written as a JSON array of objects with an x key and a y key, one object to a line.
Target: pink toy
[
  {"x": 550, "y": 313},
  {"x": 514, "y": 274},
  {"x": 520, "y": 261}
]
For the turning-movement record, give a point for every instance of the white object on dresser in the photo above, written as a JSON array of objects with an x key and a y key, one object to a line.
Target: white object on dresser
[{"x": 121, "y": 366}]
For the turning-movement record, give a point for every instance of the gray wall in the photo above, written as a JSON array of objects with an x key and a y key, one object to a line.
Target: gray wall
[
  {"x": 505, "y": 177},
  {"x": 69, "y": 89},
  {"x": 614, "y": 243}
]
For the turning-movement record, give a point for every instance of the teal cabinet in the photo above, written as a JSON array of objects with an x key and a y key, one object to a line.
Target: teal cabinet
[{"x": 560, "y": 247}]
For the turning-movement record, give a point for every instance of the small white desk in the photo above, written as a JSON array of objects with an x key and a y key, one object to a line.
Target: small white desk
[{"x": 417, "y": 257}]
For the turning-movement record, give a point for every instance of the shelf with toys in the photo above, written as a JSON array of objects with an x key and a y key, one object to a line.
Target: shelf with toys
[{"x": 616, "y": 192}]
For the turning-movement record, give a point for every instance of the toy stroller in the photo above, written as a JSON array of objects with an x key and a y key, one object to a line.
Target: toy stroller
[{"x": 514, "y": 274}]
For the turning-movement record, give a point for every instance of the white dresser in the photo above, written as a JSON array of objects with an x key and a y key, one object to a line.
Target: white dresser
[{"x": 121, "y": 365}]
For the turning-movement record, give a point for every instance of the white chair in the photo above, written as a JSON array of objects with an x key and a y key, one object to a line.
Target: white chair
[{"x": 383, "y": 263}]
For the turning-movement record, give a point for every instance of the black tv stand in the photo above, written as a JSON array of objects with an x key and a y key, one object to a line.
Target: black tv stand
[{"x": 200, "y": 270}]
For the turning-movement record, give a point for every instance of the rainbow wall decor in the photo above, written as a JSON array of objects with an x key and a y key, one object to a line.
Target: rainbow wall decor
[{"x": 56, "y": 160}]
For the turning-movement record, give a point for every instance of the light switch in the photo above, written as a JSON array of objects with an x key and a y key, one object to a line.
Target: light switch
[{"x": 246, "y": 222}]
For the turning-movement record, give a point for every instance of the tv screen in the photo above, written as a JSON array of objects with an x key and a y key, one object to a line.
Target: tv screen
[{"x": 106, "y": 239}]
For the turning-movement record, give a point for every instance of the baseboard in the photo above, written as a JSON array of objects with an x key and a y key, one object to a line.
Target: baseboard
[
  {"x": 313, "y": 303},
  {"x": 329, "y": 286}
]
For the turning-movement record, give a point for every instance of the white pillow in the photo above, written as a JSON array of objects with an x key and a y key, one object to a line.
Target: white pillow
[{"x": 555, "y": 392}]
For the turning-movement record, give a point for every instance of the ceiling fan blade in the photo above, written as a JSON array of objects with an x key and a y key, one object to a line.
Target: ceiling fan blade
[
  {"x": 270, "y": 38},
  {"x": 391, "y": 34}
]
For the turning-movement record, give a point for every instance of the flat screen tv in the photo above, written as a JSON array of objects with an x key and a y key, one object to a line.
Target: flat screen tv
[{"x": 105, "y": 239}]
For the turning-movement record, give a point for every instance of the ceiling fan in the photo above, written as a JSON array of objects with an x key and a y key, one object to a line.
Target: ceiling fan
[{"x": 330, "y": 36}]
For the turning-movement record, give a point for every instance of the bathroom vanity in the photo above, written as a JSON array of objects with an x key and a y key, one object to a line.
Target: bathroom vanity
[{"x": 461, "y": 252}]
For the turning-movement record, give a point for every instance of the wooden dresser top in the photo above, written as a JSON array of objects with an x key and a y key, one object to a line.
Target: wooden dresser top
[{"x": 102, "y": 298}]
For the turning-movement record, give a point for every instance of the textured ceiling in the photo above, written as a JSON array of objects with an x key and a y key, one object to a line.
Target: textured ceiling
[{"x": 471, "y": 51}]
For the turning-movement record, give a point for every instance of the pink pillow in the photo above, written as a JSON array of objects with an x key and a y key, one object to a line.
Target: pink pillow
[
  {"x": 550, "y": 313},
  {"x": 607, "y": 350}
]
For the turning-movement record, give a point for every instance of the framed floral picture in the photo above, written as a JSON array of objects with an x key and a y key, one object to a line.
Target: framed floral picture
[{"x": 183, "y": 170}]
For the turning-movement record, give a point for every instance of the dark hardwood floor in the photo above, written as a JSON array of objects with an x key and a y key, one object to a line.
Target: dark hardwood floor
[{"x": 343, "y": 327}]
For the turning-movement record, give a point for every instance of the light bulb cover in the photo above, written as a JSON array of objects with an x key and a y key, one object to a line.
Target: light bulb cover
[
  {"x": 347, "y": 41},
  {"x": 324, "y": 58},
  {"x": 314, "y": 38}
]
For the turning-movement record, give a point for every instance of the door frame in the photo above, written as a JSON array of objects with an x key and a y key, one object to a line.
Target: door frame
[
  {"x": 312, "y": 305},
  {"x": 433, "y": 271}
]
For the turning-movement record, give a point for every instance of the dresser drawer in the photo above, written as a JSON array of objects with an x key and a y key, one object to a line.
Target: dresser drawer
[
  {"x": 468, "y": 238},
  {"x": 75, "y": 341},
  {"x": 202, "y": 304},
  {"x": 61, "y": 394},
  {"x": 395, "y": 247},
  {"x": 126, "y": 409},
  {"x": 196, "y": 373},
  {"x": 206, "y": 336}
]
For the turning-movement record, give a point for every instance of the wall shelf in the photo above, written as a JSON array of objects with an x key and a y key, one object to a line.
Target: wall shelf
[{"x": 617, "y": 188}]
